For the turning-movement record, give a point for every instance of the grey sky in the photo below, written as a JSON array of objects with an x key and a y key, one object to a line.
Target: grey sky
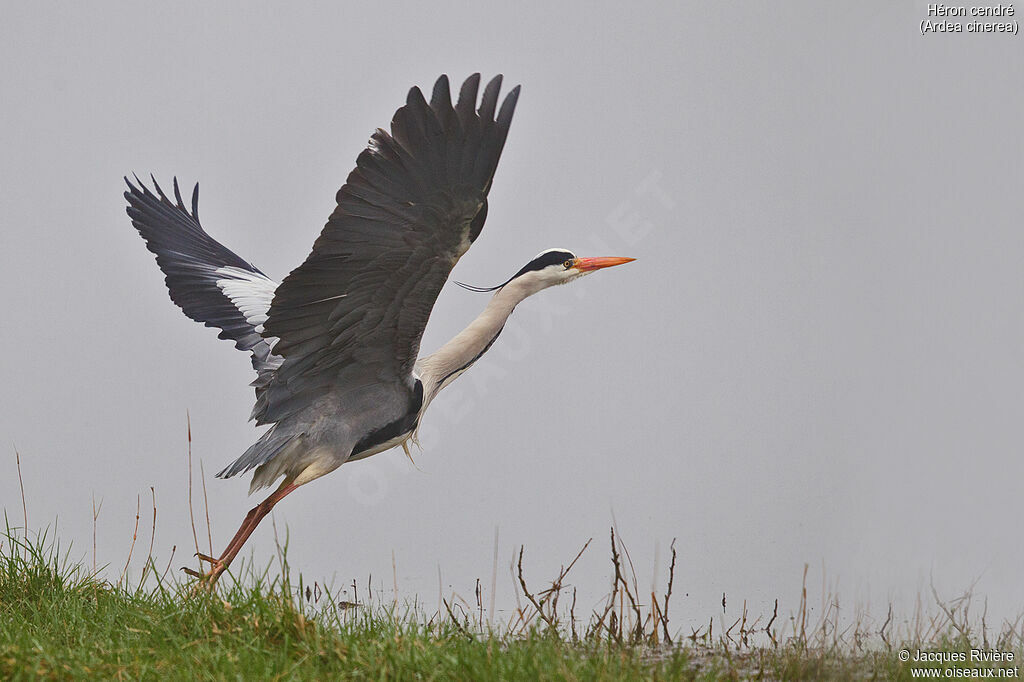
[{"x": 817, "y": 357}]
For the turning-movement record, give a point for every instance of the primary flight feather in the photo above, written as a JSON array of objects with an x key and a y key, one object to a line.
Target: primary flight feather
[{"x": 336, "y": 344}]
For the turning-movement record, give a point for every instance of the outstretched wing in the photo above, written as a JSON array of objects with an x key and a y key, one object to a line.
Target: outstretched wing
[
  {"x": 208, "y": 281},
  {"x": 354, "y": 312}
]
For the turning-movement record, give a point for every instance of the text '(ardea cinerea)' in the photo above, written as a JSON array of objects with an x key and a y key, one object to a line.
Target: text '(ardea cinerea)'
[{"x": 335, "y": 345}]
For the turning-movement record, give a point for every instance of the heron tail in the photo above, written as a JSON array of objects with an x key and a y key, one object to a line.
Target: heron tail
[{"x": 270, "y": 445}]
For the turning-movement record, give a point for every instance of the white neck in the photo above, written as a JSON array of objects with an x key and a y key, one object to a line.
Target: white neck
[{"x": 453, "y": 358}]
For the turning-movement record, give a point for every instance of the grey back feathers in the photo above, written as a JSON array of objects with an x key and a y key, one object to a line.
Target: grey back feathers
[
  {"x": 356, "y": 309},
  {"x": 352, "y": 315}
]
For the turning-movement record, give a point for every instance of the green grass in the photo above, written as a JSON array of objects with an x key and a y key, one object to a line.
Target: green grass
[{"x": 57, "y": 621}]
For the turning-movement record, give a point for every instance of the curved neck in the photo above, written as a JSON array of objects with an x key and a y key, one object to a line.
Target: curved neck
[{"x": 442, "y": 367}]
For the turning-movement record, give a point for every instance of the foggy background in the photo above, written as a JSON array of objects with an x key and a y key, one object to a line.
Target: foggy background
[{"x": 817, "y": 357}]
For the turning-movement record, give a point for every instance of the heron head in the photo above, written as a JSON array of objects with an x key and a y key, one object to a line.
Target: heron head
[{"x": 552, "y": 267}]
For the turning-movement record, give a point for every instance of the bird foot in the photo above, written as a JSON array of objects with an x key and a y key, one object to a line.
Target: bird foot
[{"x": 205, "y": 581}]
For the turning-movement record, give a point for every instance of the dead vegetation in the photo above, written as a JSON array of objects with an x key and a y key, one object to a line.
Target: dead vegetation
[{"x": 832, "y": 643}]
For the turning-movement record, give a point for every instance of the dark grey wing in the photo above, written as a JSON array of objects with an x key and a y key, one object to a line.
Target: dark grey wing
[
  {"x": 208, "y": 281},
  {"x": 354, "y": 312}
]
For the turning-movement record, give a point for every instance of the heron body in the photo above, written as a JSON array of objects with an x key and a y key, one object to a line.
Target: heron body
[{"x": 335, "y": 345}]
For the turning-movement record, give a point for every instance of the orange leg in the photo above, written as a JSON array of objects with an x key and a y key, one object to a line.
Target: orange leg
[{"x": 252, "y": 519}]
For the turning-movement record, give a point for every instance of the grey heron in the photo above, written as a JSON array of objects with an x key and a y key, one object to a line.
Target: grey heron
[{"x": 335, "y": 344}]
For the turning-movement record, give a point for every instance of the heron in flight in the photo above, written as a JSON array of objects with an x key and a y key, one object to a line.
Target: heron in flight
[{"x": 335, "y": 345}]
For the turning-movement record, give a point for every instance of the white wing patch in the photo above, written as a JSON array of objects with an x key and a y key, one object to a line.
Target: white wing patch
[{"x": 250, "y": 292}]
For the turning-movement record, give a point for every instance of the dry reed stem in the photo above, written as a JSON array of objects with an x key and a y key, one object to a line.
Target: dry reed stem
[
  {"x": 550, "y": 595},
  {"x": 24, "y": 505},
  {"x": 625, "y": 593},
  {"x": 95, "y": 517},
  {"x": 668, "y": 591},
  {"x": 494, "y": 579},
  {"x": 206, "y": 507},
  {"x": 394, "y": 578},
  {"x": 191, "y": 515},
  {"x": 164, "y": 574},
  {"x": 803, "y": 610},
  {"x": 152, "y": 539},
  {"x": 479, "y": 605},
  {"x": 455, "y": 620},
  {"x": 440, "y": 593},
  {"x": 768, "y": 627},
  {"x": 135, "y": 535}
]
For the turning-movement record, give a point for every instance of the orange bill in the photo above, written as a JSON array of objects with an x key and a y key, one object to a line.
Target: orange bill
[{"x": 590, "y": 264}]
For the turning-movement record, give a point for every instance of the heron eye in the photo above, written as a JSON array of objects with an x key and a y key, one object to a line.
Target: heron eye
[{"x": 568, "y": 264}]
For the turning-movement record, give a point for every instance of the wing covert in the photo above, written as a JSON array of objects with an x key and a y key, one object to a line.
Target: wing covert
[{"x": 354, "y": 312}]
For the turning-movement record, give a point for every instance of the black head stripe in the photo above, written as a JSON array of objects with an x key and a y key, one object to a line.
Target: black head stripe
[
  {"x": 553, "y": 257},
  {"x": 542, "y": 261}
]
